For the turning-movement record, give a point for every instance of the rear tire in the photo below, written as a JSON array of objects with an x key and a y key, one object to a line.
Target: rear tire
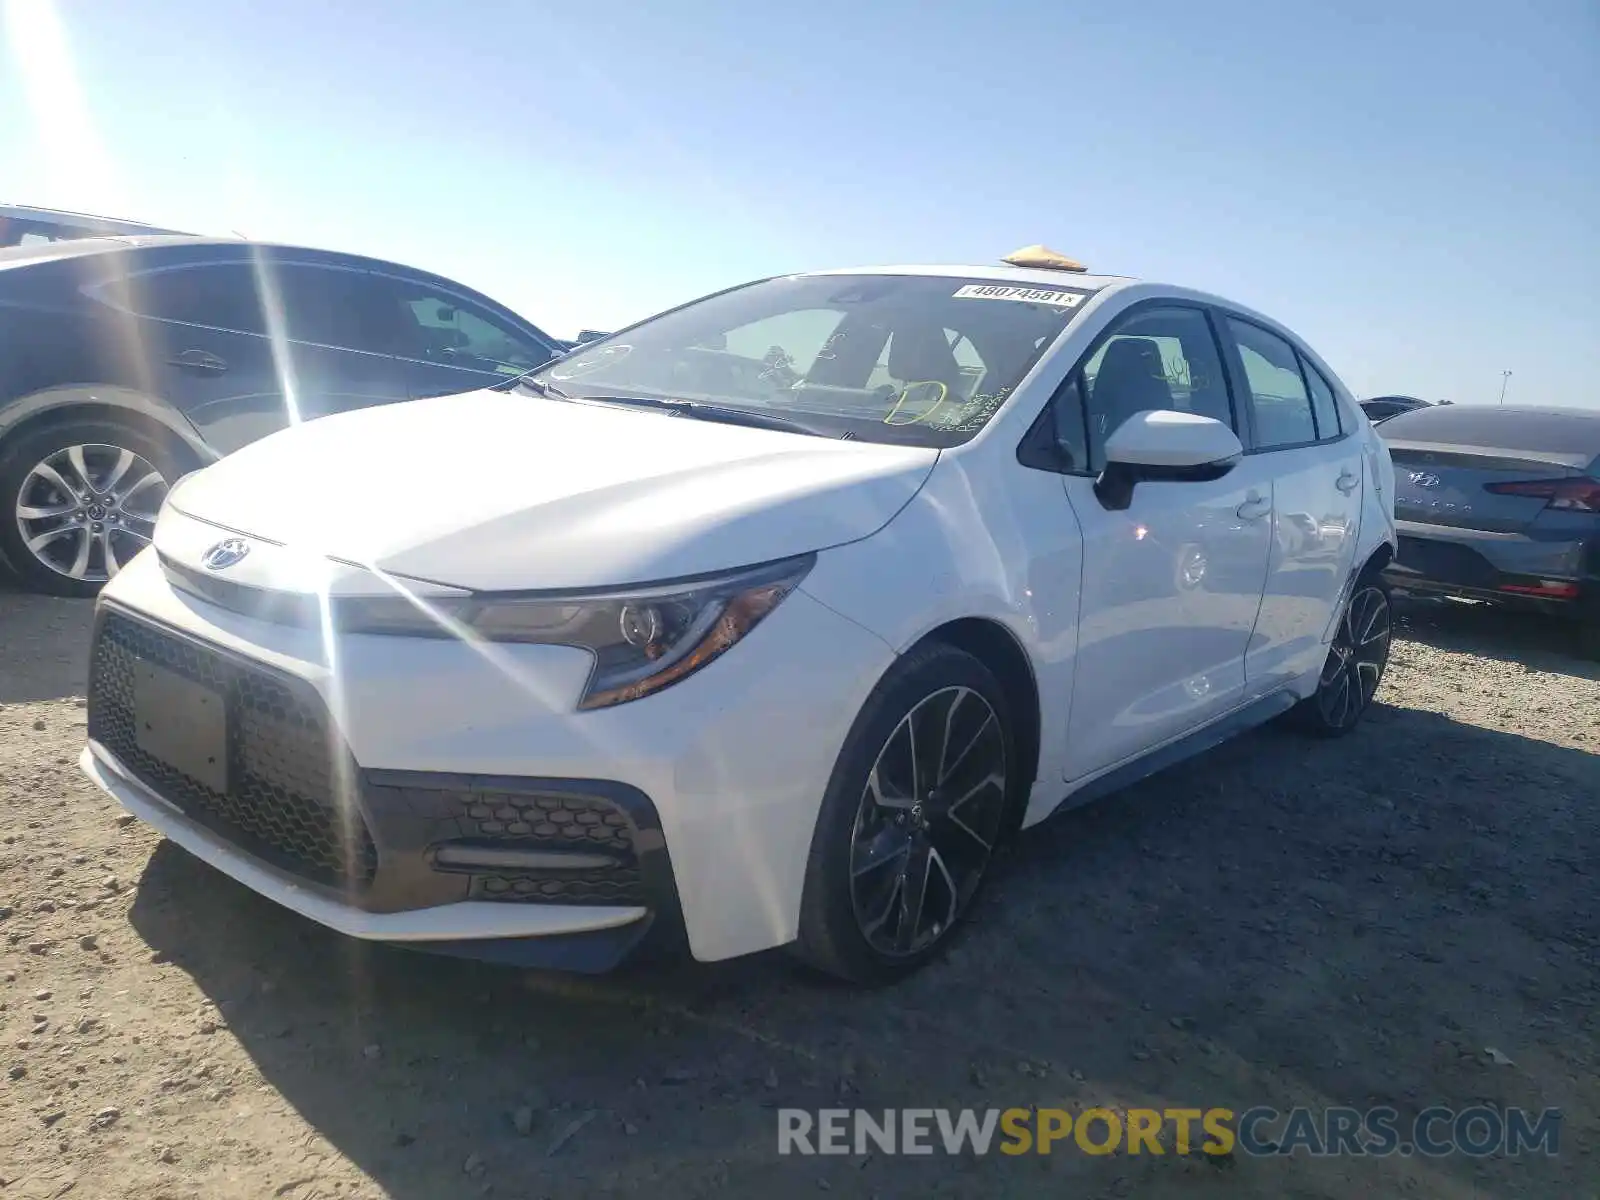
[
  {"x": 77, "y": 483},
  {"x": 917, "y": 802},
  {"x": 1355, "y": 665}
]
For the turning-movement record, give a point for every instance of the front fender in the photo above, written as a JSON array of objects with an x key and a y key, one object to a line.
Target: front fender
[
  {"x": 106, "y": 399},
  {"x": 998, "y": 546}
]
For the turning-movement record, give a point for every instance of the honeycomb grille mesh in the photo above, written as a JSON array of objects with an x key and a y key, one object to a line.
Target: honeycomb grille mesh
[
  {"x": 619, "y": 886},
  {"x": 577, "y": 822},
  {"x": 555, "y": 822},
  {"x": 280, "y": 803}
]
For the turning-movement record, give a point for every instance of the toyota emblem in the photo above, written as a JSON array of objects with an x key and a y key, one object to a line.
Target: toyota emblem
[
  {"x": 1425, "y": 479},
  {"x": 225, "y": 553}
]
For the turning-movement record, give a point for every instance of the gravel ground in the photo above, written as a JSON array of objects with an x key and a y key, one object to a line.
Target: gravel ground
[{"x": 1278, "y": 922}]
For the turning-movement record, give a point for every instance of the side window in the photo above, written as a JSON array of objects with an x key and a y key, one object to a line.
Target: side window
[
  {"x": 1157, "y": 358},
  {"x": 220, "y": 296},
  {"x": 1067, "y": 426},
  {"x": 454, "y": 333},
  {"x": 330, "y": 306},
  {"x": 1278, "y": 395},
  {"x": 434, "y": 326},
  {"x": 1323, "y": 405}
]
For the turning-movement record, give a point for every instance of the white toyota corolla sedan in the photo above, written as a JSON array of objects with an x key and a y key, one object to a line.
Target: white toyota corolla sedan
[{"x": 760, "y": 623}]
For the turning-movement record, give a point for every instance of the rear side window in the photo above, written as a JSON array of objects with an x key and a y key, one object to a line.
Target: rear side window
[
  {"x": 1323, "y": 405},
  {"x": 1278, "y": 395},
  {"x": 218, "y": 296}
]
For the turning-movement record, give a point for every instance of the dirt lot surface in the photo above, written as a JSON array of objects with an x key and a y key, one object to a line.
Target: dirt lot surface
[{"x": 1280, "y": 922}]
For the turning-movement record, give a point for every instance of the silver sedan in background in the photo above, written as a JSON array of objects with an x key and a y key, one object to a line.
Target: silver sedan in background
[{"x": 1500, "y": 504}]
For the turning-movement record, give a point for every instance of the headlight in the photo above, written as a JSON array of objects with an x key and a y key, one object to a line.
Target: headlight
[{"x": 643, "y": 639}]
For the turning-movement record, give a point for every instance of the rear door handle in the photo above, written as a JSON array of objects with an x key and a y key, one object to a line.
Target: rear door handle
[
  {"x": 198, "y": 360},
  {"x": 1348, "y": 482},
  {"x": 1255, "y": 507}
]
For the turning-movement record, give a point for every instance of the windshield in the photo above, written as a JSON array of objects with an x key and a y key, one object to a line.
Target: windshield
[{"x": 911, "y": 359}]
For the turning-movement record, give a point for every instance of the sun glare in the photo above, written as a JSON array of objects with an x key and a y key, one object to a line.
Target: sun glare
[{"x": 73, "y": 153}]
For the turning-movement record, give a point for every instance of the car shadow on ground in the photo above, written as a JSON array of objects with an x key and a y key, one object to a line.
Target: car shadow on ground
[
  {"x": 1537, "y": 642},
  {"x": 1278, "y": 922}
]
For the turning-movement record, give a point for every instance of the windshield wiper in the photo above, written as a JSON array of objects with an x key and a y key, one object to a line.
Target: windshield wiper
[
  {"x": 537, "y": 386},
  {"x": 710, "y": 412}
]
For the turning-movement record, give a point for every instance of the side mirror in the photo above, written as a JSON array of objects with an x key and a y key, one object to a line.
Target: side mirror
[{"x": 1164, "y": 446}]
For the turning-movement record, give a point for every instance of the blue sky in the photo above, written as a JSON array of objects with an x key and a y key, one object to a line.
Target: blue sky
[{"x": 1414, "y": 186}]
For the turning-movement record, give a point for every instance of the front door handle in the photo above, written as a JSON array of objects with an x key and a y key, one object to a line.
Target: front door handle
[
  {"x": 1348, "y": 482},
  {"x": 1255, "y": 507},
  {"x": 198, "y": 360}
]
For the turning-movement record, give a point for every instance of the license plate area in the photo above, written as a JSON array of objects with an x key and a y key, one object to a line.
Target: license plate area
[{"x": 182, "y": 723}]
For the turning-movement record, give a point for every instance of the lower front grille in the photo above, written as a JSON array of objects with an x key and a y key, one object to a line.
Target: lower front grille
[
  {"x": 283, "y": 762},
  {"x": 522, "y": 840},
  {"x": 620, "y": 886},
  {"x": 556, "y": 822}
]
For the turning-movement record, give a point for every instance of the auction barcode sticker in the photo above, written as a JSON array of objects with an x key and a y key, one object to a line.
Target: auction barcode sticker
[{"x": 1026, "y": 295}]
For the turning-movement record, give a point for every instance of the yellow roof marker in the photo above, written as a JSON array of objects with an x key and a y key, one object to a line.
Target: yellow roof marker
[{"x": 1043, "y": 258}]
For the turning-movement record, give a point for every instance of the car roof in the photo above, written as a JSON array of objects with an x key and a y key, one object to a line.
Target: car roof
[
  {"x": 78, "y": 220},
  {"x": 16, "y": 256},
  {"x": 1567, "y": 434},
  {"x": 1082, "y": 281},
  {"x": 23, "y": 256},
  {"x": 1032, "y": 276},
  {"x": 1049, "y": 277}
]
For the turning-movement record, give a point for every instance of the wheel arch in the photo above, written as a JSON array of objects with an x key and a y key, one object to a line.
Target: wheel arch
[
  {"x": 997, "y": 648},
  {"x": 149, "y": 415},
  {"x": 1381, "y": 556}
]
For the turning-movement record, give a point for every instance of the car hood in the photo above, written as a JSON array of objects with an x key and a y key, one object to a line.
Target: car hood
[{"x": 504, "y": 491}]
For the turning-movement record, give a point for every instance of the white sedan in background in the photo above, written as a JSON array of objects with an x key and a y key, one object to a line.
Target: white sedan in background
[{"x": 760, "y": 623}]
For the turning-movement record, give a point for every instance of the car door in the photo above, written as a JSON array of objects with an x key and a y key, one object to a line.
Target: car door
[
  {"x": 246, "y": 348},
  {"x": 1316, "y": 469},
  {"x": 1171, "y": 584},
  {"x": 333, "y": 338},
  {"x": 450, "y": 343},
  {"x": 195, "y": 336}
]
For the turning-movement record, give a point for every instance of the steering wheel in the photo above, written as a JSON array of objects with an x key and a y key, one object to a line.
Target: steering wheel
[{"x": 942, "y": 394}]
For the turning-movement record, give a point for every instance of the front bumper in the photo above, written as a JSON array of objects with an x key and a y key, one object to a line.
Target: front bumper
[
  {"x": 594, "y": 938},
  {"x": 425, "y": 748}
]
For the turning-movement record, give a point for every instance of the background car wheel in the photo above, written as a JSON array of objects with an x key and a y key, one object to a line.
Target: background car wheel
[
  {"x": 916, "y": 805},
  {"x": 78, "y": 499},
  {"x": 1355, "y": 664}
]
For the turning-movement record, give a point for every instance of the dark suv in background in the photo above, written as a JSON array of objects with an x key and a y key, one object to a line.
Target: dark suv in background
[{"x": 125, "y": 363}]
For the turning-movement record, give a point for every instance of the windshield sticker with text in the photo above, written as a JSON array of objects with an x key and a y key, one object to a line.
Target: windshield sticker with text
[{"x": 1026, "y": 295}]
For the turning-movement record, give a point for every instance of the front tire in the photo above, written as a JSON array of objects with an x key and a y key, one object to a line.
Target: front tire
[
  {"x": 1355, "y": 665},
  {"x": 78, "y": 499},
  {"x": 917, "y": 802}
]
